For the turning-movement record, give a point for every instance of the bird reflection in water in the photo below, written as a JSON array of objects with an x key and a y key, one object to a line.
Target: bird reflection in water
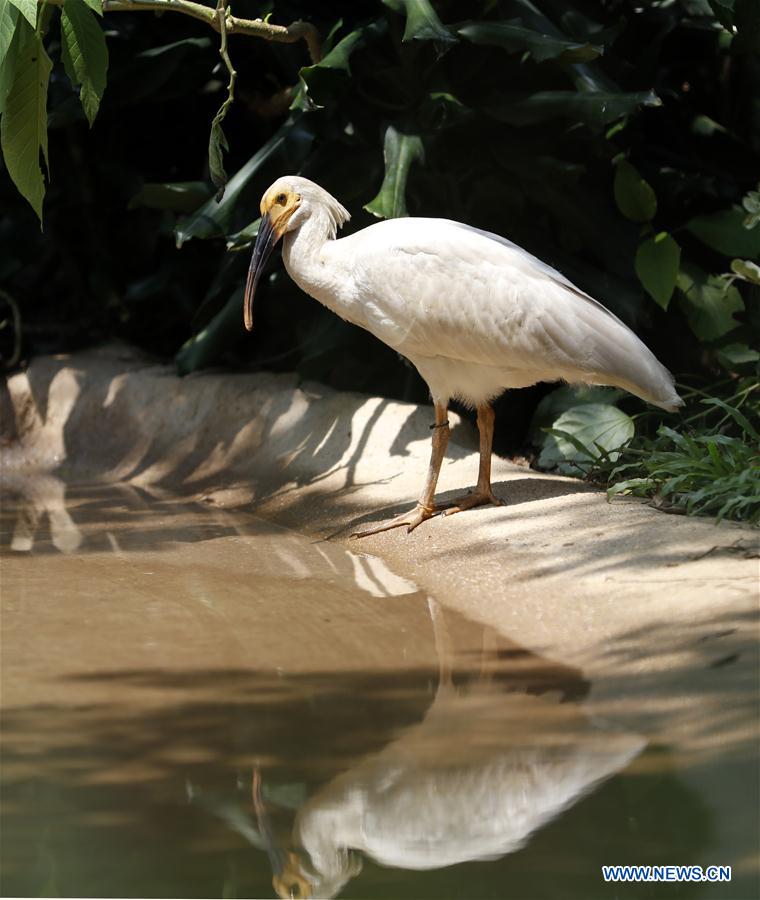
[
  {"x": 33, "y": 497},
  {"x": 493, "y": 760}
]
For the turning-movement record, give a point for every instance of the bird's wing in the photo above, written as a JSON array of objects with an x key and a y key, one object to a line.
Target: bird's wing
[{"x": 436, "y": 288}]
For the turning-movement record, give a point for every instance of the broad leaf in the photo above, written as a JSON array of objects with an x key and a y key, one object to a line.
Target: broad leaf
[
  {"x": 733, "y": 355},
  {"x": 84, "y": 53},
  {"x": 657, "y": 263},
  {"x": 515, "y": 38},
  {"x": 422, "y": 22},
  {"x": 580, "y": 27},
  {"x": 23, "y": 127},
  {"x": 582, "y": 432},
  {"x": 179, "y": 196},
  {"x": 217, "y": 143},
  {"x": 243, "y": 239},
  {"x": 8, "y": 18},
  {"x": 551, "y": 407},
  {"x": 709, "y": 302},
  {"x": 441, "y": 110},
  {"x": 214, "y": 218},
  {"x": 532, "y": 17},
  {"x": 400, "y": 151},
  {"x": 751, "y": 203},
  {"x": 178, "y": 49},
  {"x": 28, "y": 9},
  {"x": 634, "y": 196},
  {"x": 596, "y": 108},
  {"x": 324, "y": 79},
  {"x": 10, "y": 32},
  {"x": 746, "y": 270},
  {"x": 204, "y": 348},
  {"x": 724, "y": 12},
  {"x": 96, "y": 6},
  {"x": 726, "y": 232}
]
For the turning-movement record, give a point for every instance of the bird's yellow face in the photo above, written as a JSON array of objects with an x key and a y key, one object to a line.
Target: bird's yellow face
[{"x": 277, "y": 207}]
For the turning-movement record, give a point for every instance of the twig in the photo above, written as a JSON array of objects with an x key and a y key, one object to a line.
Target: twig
[{"x": 286, "y": 34}]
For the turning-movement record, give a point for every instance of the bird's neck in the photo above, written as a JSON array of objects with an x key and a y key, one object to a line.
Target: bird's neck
[
  {"x": 305, "y": 244},
  {"x": 307, "y": 255}
]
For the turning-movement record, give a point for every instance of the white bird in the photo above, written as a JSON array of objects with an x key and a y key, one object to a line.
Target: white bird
[
  {"x": 473, "y": 312},
  {"x": 430, "y": 800},
  {"x": 473, "y": 780}
]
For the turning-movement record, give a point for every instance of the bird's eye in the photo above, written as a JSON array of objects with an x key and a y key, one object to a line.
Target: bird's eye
[{"x": 281, "y": 199}]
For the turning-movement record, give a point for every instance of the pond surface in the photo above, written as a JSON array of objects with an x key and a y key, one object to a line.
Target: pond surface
[{"x": 200, "y": 704}]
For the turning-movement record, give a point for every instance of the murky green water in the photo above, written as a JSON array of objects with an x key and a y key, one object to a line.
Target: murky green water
[{"x": 197, "y": 703}]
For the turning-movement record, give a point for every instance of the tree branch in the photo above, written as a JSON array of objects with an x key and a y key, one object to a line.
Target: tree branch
[{"x": 286, "y": 34}]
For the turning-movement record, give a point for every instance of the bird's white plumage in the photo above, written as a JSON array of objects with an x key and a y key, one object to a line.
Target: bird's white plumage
[
  {"x": 426, "y": 800},
  {"x": 475, "y": 313}
]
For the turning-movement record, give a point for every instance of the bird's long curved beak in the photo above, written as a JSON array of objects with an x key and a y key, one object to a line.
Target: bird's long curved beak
[{"x": 266, "y": 239}]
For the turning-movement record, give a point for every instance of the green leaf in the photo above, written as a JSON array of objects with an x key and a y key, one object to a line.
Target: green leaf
[
  {"x": 724, "y": 12},
  {"x": 422, "y": 22},
  {"x": 217, "y": 143},
  {"x": 597, "y": 108},
  {"x": 9, "y": 39},
  {"x": 214, "y": 218},
  {"x": 746, "y": 270},
  {"x": 585, "y": 429},
  {"x": 178, "y": 196},
  {"x": 733, "y": 355},
  {"x": 736, "y": 415},
  {"x": 708, "y": 301},
  {"x": 657, "y": 263},
  {"x": 441, "y": 110},
  {"x": 217, "y": 140},
  {"x": 8, "y": 19},
  {"x": 634, "y": 196},
  {"x": 751, "y": 203},
  {"x": 400, "y": 150},
  {"x": 515, "y": 38},
  {"x": 725, "y": 232},
  {"x": 323, "y": 80},
  {"x": 704, "y": 126},
  {"x": 23, "y": 127},
  {"x": 210, "y": 343},
  {"x": 96, "y": 6},
  {"x": 551, "y": 407},
  {"x": 28, "y": 9},
  {"x": 243, "y": 239},
  {"x": 84, "y": 53}
]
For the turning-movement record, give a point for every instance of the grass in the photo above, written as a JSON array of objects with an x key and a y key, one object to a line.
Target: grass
[{"x": 707, "y": 465}]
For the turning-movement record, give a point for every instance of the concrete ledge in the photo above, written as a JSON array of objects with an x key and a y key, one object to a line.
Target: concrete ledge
[{"x": 323, "y": 462}]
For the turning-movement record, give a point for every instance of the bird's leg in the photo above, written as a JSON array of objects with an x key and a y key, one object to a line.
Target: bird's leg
[
  {"x": 425, "y": 507},
  {"x": 483, "y": 492}
]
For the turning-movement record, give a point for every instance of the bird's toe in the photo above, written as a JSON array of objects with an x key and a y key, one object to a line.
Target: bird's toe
[
  {"x": 411, "y": 519},
  {"x": 471, "y": 500}
]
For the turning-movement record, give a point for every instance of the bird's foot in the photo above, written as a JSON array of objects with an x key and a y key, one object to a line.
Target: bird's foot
[
  {"x": 411, "y": 519},
  {"x": 469, "y": 501}
]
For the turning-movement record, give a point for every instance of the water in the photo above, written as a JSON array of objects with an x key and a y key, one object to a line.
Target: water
[{"x": 199, "y": 704}]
